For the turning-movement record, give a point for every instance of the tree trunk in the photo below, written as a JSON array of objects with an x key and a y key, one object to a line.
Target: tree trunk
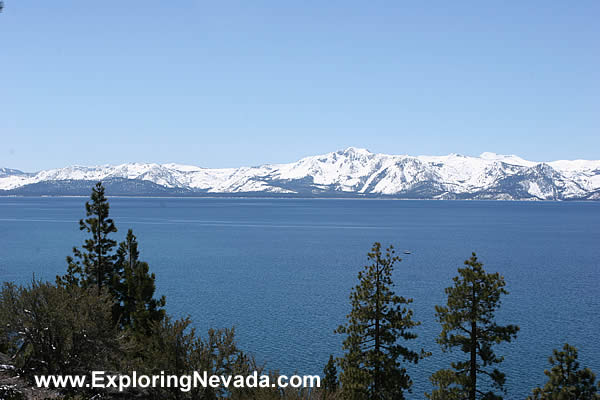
[
  {"x": 473, "y": 366},
  {"x": 377, "y": 338},
  {"x": 99, "y": 250},
  {"x": 473, "y": 348}
]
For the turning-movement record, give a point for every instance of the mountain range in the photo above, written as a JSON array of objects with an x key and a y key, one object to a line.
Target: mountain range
[{"x": 352, "y": 172}]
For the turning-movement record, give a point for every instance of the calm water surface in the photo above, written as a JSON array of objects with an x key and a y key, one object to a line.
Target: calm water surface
[{"x": 280, "y": 270}]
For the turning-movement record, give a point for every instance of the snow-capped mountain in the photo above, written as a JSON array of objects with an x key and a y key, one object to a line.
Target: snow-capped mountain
[{"x": 351, "y": 172}]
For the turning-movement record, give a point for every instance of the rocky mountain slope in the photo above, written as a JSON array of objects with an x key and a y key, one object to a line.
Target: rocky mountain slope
[{"x": 351, "y": 172}]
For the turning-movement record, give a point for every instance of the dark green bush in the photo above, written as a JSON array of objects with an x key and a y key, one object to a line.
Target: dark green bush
[{"x": 58, "y": 330}]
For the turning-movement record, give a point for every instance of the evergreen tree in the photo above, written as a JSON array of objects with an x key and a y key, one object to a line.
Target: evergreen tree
[
  {"x": 372, "y": 366},
  {"x": 330, "y": 381},
  {"x": 136, "y": 306},
  {"x": 468, "y": 322},
  {"x": 94, "y": 265},
  {"x": 566, "y": 381}
]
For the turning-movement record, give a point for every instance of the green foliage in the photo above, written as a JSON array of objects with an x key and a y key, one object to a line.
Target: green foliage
[
  {"x": 8, "y": 301},
  {"x": 136, "y": 308},
  {"x": 126, "y": 277},
  {"x": 176, "y": 349},
  {"x": 94, "y": 265},
  {"x": 58, "y": 330},
  {"x": 468, "y": 323},
  {"x": 372, "y": 366},
  {"x": 330, "y": 380},
  {"x": 450, "y": 385},
  {"x": 566, "y": 380}
]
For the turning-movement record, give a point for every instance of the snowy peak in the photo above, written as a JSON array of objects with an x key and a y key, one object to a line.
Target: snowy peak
[
  {"x": 349, "y": 172},
  {"x": 354, "y": 151},
  {"x": 509, "y": 159},
  {"x": 9, "y": 171},
  {"x": 486, "y": 155}
]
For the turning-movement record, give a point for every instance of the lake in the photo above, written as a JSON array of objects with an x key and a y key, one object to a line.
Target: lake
[{"x": 280, "y": 270}]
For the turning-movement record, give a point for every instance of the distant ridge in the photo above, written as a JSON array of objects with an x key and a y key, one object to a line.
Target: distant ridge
[{"x": 352, "y": 172}]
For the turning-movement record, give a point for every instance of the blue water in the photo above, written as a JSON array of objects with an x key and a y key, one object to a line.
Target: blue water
[{"x": 280, "y": 270}]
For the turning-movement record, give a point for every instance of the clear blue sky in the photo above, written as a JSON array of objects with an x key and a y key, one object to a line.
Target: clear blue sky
[{"x": 231, "y": 83}]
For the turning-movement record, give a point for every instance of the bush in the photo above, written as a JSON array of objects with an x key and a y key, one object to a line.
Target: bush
[
  {"x": 58, "y": 330},
  {"x": 175, "y": 348}
]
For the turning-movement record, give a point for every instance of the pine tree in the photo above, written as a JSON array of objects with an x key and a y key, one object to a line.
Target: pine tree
[
  {"x": 135, "y": 286},
  {"x": 566, "y": 381},
  {"x": 94, "y": 264},
  {"x": 330, "y": 381},
  {"x": 468, "y": 322},
  {"x": 372, "y": 366}
]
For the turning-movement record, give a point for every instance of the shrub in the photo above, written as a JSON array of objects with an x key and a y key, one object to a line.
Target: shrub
[{"x": 58, "y": 330}]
